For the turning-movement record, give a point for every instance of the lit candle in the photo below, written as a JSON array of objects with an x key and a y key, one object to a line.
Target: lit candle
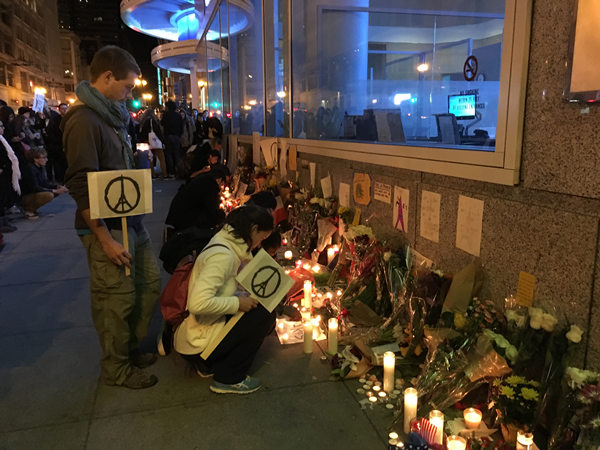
[
  {"x": 307, "y": 294},
  {"x": 382, "y": 395},
  {"x": 411, "y": 399},
  {"x": 285, "y": 337},
  {"x": 284, "y": 241},
  {"x": 316, "y": 268},
  {"x": 456, "y": 443},
  {"x": 308, "y": 337},
  {"x": 330, "y": 255},
  {"x": 472, "y": 418},
  {"x": 339, "y": 293},
  {"x": 288, "y": 254},
  {"x": 306, "y": 266},
  {"x": 373, "y": 399},
  {"x": 332, "y": 337},
  {"x": 281, "y": 326},
  {"x": 298, "y": 264},
  {"x": 389, "y": 366},
  {"x": 377, "y": 388},
  {"x": 524, "y": 440},
  {"x": 393, "y": 435},
  {"x": 437, "y": 418}
]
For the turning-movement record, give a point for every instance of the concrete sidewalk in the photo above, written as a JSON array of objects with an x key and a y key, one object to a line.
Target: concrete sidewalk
[{"x": 50, "y": 395}]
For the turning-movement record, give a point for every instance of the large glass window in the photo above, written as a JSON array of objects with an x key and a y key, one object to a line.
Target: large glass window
[
  {"x": 426, "y": 74},
  {"x": 247, "y": 76},
  {"x": 276, "y": 30}
]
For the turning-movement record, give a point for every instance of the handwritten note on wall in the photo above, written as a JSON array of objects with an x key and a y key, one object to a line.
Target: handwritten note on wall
[
  {"x": 362, "y": 188},
  {"x": 382, "y": 192},
  {"x": 430, "y": 215},
  {"x": 344, "y": 195},
  {"x": 468, "y": 224}
]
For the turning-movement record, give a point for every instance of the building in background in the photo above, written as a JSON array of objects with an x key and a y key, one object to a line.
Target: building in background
[{"x": 29, "y": 52}]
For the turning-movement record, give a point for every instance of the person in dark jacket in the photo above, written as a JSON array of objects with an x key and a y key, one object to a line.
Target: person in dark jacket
[
  {"x": 57, "y": 161},
  {"x": 149, "y": 123},
  {"x": 173, "y": 129},
  {"x": 37, "y": 189}
]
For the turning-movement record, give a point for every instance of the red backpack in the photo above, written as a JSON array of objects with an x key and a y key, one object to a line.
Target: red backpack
[{"x": 173, "y": 300}]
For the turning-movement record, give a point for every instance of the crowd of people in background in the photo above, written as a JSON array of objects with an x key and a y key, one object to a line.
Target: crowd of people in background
[{"x": 181, "y": 142}]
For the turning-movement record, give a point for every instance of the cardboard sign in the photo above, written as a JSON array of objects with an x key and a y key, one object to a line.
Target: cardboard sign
[
  {"x": 265, "y": 280},
  {"x": 362, "y": 188},
  {"x": 525, "y": 289},
  {"x": 292, "y": 158},
  {"x": 120, "y": 193}
]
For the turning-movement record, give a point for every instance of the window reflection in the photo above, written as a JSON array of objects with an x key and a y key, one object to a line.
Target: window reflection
[{"x": 367, "y": 72}]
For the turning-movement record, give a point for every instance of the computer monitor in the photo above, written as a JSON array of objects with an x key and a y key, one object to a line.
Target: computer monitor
[{"x": 462, "y": 106}]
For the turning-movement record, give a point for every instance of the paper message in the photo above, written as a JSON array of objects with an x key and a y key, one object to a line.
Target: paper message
[
  {"x": 430, "y": 216},
  {"x": 292, "y": 158},
  {"x": 256, "y": 148},
  {"x": 362, "y": 188},
  {"x": 326, "y": 187},
  {"x": 38, "y": 102},
  {"x": 382, "y": 192},
  {"x": 468, "y": 224},
  {"x": 265, "y": 280},
  {"x": 269, "y": 151},
  {"x": 400, "y": 208},
  {"x": 344, "y": 195},
  {"x": 120, "y": 193},
  {"x": 525, "y": 289},
  {"x": 313, "y": 173}
]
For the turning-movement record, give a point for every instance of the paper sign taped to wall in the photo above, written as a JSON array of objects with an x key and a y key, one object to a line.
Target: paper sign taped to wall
[
  {"x": 265, "y": 280},
  {"x": 429, "y": 223},
  {"x": 344, "y": 195},
  {"x": 400, "y": 209},
  {"x": 120, "y": 193},
  {"x": 525, "y": 289},
  {"x": 362, "y": 188},
  {"x": 382, "y": 192},
  {"x": 326, "y": 187},
  {"x": 312, "y": 167},
  {"x": 256, "y": 148},
  {"x": 292, "y": 158},
  {"x": 469, "y": 224}
]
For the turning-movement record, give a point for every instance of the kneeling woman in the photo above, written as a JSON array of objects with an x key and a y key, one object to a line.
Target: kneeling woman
[{"x": 212, "y": 300}]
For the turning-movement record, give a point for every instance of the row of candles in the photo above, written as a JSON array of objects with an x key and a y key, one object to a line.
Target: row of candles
[{"x": 331, "y": 252}]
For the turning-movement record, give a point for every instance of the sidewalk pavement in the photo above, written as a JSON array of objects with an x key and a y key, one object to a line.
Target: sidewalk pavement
[{"x": 51, "y": 396}]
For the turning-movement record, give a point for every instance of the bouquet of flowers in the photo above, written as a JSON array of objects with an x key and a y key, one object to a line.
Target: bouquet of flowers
[
  {"x": 577, "y": 420},
  {"x": 516, "y": 400}
]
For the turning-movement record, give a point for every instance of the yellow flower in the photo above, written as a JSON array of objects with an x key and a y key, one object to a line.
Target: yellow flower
[
  {"x": 514, "y": 380},
  {"x": 529, "y": 394},
  {"x": 507, "y": 392},
  {"x": 459, "y": 321}
]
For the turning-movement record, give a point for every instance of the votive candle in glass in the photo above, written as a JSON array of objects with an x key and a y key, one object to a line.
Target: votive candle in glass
[
  {"x": 389, "y": 367},
  {"x": 288, "y": 254},
  {"x": 332, "y": 336},
  {"x": 411, "y": 399},
  {"x": 456, "y": 443},
  {"x": 524, "y": 440},
  {"x": 437, "y": 418},
  {"x": 472, "y": 418},
  {"x": 330, "y": 255}
]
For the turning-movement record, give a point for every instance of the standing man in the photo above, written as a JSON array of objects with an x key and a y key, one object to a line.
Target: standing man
[
  {"x": 95, "y": 139},
  {"x": 57, "y": 163}
]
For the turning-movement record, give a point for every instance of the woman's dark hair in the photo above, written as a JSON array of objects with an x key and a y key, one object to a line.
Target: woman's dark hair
[
  {"x": 242, "y": 220},
  {"x": 120, "y": 62},
  {"x": 265, "y": 199},
  {"x": 273, "y": 242}
]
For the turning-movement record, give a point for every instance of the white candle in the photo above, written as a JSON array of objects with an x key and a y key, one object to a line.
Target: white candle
[
  {"x": 308, "y": 337},
  {"x": 472, "y": 418},
  {"x": 456, "y": 443},
  {"x": 524, "y": 440},
  {"x": 437, "y": 418},
  {"x": 332, "y": 337},
  {"x": 376, "y": 388},
  {"x": 389, "y": 367},
  {"x": 330, "y": 255},
  {"x": 307, "y": 294},
  {"x": 382, "y": 395},
  {"x": 288, "y": 254},
  {"x": 285, "y": 337},
  {"x": 316, "y": 268},
  {"x": 411, "y": 399},
  {"x": 393, "y": 435},
  {"x": 373, "y": 399}
]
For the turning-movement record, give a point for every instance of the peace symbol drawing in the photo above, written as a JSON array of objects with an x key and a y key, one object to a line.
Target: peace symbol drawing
[
  {"x": 266, "y": 281},
  {"x": 116, "y": 198},
  {"x": 470, "y": 68}
]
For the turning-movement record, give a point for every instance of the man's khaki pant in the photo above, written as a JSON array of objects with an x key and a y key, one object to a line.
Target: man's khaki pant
[
  {"x": 31, "y": 202},
  {"x": 122, "y": 306}
]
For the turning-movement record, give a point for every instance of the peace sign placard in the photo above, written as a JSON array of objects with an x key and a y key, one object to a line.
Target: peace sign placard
[
  {"x": 120, "y": 193},
  {"x": 265, "y": 280}
]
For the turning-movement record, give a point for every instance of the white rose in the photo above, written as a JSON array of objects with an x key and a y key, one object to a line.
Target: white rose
[
  {"x": 575, "y": 334},
  {"x": 548, "y": 322},
  {"x": 535, "y": 322},
  {"x": 535, "y": 312}
]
